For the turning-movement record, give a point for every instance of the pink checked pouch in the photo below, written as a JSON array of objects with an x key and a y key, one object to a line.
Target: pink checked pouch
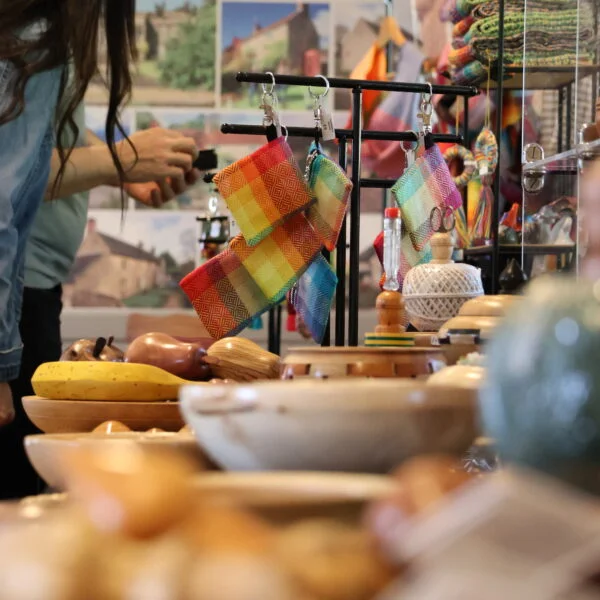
[{"x": 425, "y": 185}]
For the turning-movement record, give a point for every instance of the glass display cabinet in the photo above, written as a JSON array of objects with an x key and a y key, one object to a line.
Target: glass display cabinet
[
  {"x": 559, "y": 136},
  {"x": 542, "y": 56}
]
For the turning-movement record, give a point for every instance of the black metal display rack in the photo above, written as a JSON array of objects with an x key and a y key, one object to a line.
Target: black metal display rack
[{"x": 349, "y": 148}]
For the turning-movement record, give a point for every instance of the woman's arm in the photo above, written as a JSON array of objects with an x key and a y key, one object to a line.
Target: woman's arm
[{"x": 161, "y": 154}]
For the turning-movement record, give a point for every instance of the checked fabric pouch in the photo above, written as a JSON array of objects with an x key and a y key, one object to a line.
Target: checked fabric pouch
[
  {"x": 425, "y": 185},
  {"x": 276, "y": 263},
  {"x": 224, "y": 295},
  {"x": 331, "y": 187},
  {"x": 263, "y": 190},
  {"x": 313, "y": 296}
]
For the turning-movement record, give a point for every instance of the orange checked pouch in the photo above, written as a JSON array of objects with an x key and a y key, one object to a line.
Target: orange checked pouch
[{"x": 264, "y": 189}]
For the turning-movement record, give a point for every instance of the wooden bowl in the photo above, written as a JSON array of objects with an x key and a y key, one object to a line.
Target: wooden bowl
[
  {"x": 483, "y": 325},
  {"x": 488, "y": 306},
  {"x": 73, "y": 416},
  {"x": 452, "y": 352},
  {"x": 337, "y": 362},
  {"x": 351, "y": 425},
  {"x": 467, "y": 376},
  {"x": 286, "y": 497},
  {"x": 45, "y": 451}
]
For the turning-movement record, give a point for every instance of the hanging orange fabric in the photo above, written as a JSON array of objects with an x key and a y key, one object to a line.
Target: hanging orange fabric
[{"x": 372, "y": 67}]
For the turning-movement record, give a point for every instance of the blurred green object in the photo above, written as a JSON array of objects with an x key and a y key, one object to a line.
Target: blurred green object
[{"x": 541, "y": 402}]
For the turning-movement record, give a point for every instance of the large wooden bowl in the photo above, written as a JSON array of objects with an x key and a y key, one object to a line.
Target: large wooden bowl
[
  {"x": 352, "y": 425},
  {"x": 285, "y": 497},
  {"x": 45, "y": 451},
  {"x": 73, "y": 416},
  {"x": 336, "y": 362}
]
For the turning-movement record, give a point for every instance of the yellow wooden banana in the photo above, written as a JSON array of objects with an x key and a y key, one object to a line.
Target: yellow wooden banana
[{"x": 97, "y": 380}]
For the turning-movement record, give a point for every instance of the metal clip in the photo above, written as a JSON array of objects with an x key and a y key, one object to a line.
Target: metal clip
[
  {"x": 268, "y": 108},
  {"x": 309, "y": 162},
  {"x": 426, "y": 111},
  {"x": 318, "y": 112},
  {"x": 425, "y": 115}
]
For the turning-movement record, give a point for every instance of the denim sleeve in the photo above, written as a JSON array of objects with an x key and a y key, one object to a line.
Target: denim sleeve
[{"x": 25, "y": 149}]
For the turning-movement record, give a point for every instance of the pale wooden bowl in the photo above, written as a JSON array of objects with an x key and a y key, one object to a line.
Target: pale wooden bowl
[
  {"x": 488, "y": 306},
  {"x": 73, "y": 416},
  {"x": 285, "y": 497},
  {"x": 360, "y": 361},
  {"x": 45, "y": 451},
  {"x": 351, "y": 425},
  {"x": 465, "y": 376},
  {"x": 452, "y": 352}
]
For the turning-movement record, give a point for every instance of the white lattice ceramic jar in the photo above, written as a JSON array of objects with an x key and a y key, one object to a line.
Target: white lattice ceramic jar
[{"x": 434, "y": 292}]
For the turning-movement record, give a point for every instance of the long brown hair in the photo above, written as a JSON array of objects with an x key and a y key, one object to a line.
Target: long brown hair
[{"x": 67, "y": 34}]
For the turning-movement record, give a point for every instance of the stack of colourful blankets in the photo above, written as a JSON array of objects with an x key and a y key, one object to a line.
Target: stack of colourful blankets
[{"x": 537, "y": 33}]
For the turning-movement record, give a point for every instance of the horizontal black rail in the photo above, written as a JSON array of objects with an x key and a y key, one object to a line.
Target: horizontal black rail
[
  {"x": 350, "y": 84},
  {"x": 308, "y": 132}
]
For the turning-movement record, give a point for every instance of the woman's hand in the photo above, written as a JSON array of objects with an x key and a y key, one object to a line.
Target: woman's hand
[
  {"x": 161, "y": 154},
  {"x": 7, "y": 409}
]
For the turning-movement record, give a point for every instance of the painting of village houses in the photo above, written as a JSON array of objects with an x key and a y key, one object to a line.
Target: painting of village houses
[
  {"x": 137, "y": 265},
  {"x": 284, "y": 38},
  {"x": 176, "y": 43}
]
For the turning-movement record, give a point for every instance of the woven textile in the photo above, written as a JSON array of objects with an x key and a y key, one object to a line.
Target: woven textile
[
  {"x": 461, "y": 57},
  {"x": 224, "y": 295},
  {"x": 331, "y": 187},
  {"x": 541, "y": 47},
  {"x": 474, "y": 72},
  {"x": 277, "y": 262},
  {"x": 313, "y": 296},
  {"x": 462, "y": 27},
  {"x": 427, "y": 183},
  {"x": 263, "y": 189},
  {"x": 398, "y": 112}
]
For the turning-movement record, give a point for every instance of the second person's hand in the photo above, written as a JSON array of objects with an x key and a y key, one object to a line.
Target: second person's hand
[
  {"x": 161, "y": 154},
  {"x": 156, "y": 193}
]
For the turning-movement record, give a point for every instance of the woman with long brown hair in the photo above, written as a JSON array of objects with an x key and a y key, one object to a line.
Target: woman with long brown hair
[{"x": 39, "y": 41}]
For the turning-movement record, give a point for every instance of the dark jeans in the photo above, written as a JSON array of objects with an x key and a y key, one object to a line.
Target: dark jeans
[{"x": 40, "y": 333}]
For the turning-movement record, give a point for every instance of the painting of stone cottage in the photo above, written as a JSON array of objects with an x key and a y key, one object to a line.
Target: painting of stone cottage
[
  {"x": 137, "y": 265},
  {"x": 176, "y": 47},
  {"x": 286, "y": 38}
]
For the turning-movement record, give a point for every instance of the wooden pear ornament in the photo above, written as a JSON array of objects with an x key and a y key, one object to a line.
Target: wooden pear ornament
[{"x": 390, "y": 313}]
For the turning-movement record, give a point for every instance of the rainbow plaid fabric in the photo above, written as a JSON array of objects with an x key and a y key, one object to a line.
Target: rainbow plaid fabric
[
  {"x": 263, "y": 189},
  {"x": 313, "y": 295},
  {"x": 224, "y": 295},
  {"x": 427, "y": 183},
  {"x": 331, "y": 187},
  {"x": 277, "y": 262},
  {"x": 278, "y": 247}
]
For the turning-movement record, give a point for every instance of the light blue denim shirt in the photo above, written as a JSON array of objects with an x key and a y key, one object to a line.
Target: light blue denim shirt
[{"x": 25, "y": 149}]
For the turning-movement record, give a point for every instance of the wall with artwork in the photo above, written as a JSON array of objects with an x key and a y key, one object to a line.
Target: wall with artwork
[{"x": 190, "y": 51}]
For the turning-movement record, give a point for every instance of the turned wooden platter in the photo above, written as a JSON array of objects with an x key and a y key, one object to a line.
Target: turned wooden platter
[{"x": 74, "y": 416}]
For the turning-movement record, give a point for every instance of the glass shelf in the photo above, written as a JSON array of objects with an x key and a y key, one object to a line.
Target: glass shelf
[
  {"x": 543, "y": 78},
  {"x": 565, "y": 162}
]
